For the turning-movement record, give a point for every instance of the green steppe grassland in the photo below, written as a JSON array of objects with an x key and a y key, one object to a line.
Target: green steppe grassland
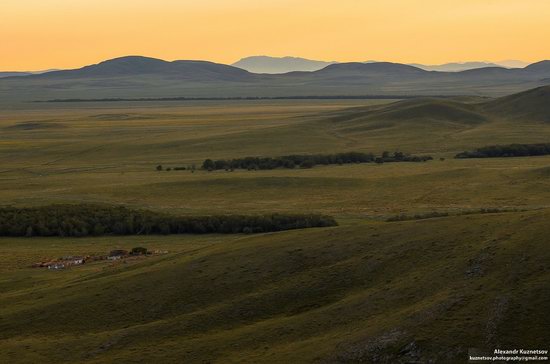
[{"x": 368, "y": 290}]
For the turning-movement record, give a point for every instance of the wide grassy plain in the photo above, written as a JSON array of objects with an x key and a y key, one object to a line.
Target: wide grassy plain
[{"x": 366, "y": 291}]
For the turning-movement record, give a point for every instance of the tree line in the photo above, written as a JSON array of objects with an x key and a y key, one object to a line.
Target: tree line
[
  {"x": 434, "y": 214},
  {"x": 308, "y": 161},
  {"x": 509, "y": 150},
  {"x": 97, "y": 220},
  {"x": 246, "y": 98}
]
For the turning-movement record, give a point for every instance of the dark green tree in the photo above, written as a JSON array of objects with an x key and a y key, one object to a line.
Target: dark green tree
[{"x": 208, "y": 165}]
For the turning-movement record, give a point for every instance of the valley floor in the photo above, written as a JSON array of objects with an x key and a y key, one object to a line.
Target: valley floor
[{"x": 368, "y": 290}]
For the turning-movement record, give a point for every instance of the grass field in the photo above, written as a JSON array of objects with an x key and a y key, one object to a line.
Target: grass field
[{"x": 366, "y": 291}]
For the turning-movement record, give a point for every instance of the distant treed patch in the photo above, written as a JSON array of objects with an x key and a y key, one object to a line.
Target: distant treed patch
[
  {"x": 435, "y": 214},
  {"x": 510, "y": 150},
  {"x": 308, "y": 161},
  {"x": 96, "y": 220}
]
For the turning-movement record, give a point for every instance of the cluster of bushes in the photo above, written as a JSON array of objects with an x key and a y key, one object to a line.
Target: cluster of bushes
[
  {"x": 96, "y": 220},
  {"x": 434, "y": 214},
  {"x": 191, "y": 168},
  {"x": 308, "y": 161},
  {"x": 428, "y": 215},
  {"x": 510, "y": 150},
  {"x": 139, "y": 251}
]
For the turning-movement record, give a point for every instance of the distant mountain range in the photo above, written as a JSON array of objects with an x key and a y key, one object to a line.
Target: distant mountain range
[
  {"x": 17, "y": 73},
  {"x": 274, "y": 65},
  {"x": 14, "y": 74},
  {"x": 266, "y": 64},
  {"x": 138, "y": 77},
  {"x": 456, "y": 67},
  {"x": 277, "y": 65}
]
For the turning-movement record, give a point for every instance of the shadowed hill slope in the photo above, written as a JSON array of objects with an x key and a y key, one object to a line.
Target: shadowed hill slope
[
  {"x": 539, "y": 67},
  {"x": 439, "y": 110},
  {"x": 415, "y": 291},
  {"x": 529, "y": 105}
]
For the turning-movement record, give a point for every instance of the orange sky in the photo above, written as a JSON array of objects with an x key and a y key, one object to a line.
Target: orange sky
[{"x": 41, "y": 34}]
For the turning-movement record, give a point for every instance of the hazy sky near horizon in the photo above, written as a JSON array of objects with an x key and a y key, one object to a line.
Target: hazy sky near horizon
[{"x": 42, "y": 34}]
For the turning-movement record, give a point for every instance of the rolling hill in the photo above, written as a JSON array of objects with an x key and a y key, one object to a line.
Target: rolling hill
[
  {"x": 455, "y": 66},
  {"x": 418, "y": 291},
  {"x": 542, "y": 67},
  {"x": 14, "y": 74},
  {"x": 265, "y": 64},
  {"x": 529, "y": 105},
  {"x": 377, "y": 69},
  {"x": 139, "y": 66},
  {"x": 421, "y": 110},
  {"x": 450, "y": 121}
]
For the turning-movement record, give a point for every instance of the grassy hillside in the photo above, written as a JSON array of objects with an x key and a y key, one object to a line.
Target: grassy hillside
[
  {"x": 368, "y": 290},
  {"x": 422, "y": 110},
  {"x": 404, "y": 291},
  {"x": 103, "y": 154},
  {"x": 531, "y": 105}
]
